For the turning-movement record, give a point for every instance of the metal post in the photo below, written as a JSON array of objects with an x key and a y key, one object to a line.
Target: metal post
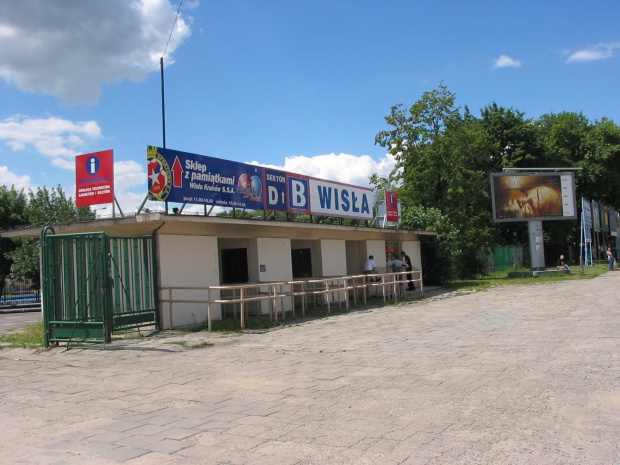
[
  {"x": 163, "y": 105},
  {"x": 537, "y": 247}
]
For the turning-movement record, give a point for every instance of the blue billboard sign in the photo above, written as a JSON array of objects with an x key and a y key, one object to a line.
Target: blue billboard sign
[
  {"x": 596, "y": 215},
  {"x": 587, "y": 212},
  {"x": 275, "y": 193},
  {"x": 181, "y": 177}
]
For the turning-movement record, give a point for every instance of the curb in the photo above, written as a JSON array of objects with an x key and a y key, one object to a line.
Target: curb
[{"x": 8, "y": 309}]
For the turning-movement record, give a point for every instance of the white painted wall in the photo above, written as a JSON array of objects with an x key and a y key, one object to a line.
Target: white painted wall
[
  {"x": 186, "y": 261},
  {"x": 275, "y": 255},
  {"x": 333, "y": 257},
  {"x": 376, "y": 249},
  {"x": 412, "y": 248}
]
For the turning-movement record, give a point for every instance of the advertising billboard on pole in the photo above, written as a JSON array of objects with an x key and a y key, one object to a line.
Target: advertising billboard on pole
[
  {"x": 94, "y": 178},
  {"x": 527, "y": 197}
]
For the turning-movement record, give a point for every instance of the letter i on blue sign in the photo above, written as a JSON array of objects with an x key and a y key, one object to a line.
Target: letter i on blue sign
[{"x": 92, "y": 165}]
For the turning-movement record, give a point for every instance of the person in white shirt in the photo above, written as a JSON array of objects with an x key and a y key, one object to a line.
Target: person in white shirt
[{"x": 370, "y": 267}]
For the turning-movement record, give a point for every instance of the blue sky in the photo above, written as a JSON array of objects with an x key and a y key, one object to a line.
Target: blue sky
[{"x": 303, "y": 85}]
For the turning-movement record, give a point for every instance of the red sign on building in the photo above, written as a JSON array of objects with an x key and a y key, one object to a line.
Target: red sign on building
[
  {"x": 391, "y": 206},
  {"x": 94, "y": 178}
]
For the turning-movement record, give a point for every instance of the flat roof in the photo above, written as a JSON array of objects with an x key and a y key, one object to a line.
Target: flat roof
[{"x": 148, "y": 223}]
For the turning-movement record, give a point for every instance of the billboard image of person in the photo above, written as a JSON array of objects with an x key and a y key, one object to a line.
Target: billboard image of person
[{"x": 523, "y": 197}]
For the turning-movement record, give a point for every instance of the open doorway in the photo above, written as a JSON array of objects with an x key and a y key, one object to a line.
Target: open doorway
[
  {"x": 234, "y": 266},
  {"x": 302, "y": 263}
]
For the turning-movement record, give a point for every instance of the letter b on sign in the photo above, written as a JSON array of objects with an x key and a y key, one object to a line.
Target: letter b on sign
[{"x": 297, "y": 193}]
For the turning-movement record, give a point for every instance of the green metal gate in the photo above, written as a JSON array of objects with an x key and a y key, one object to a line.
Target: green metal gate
[{"x": 94, "y": 284}]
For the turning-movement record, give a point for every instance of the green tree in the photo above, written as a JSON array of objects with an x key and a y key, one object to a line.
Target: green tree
[
  {"x": 418, "y": 144},
  {"x": 443, "y": 161},
  {"x": 12, "y": 215},
  {"x": 44, "y": 206},
  {"x": 601, "y": 164}
]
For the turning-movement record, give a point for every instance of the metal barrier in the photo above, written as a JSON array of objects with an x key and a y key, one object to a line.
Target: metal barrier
[
  {"x": 322, "y": 291},
  {"x": 272, "y": 295},
  {"x": 338, "y": 289},
  {"x": 18, "y": 292}
]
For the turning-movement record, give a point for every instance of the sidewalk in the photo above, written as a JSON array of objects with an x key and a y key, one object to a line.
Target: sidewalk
[{"x": 513, "y": 375}]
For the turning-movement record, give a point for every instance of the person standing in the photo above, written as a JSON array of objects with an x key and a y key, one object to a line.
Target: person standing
[
  {"x": 396, "y": 266},
  {"x": 610, "y": 258},
  {"x": 409, "y": 267}
]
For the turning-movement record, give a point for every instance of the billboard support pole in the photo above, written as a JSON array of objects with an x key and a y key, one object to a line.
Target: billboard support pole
[
  {"x": 582, "y": 240},
  {"x": 537, "y": 247}
]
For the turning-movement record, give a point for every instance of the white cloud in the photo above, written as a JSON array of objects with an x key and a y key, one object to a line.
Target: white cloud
[
  {"x": 57, "y": 138},
  {"x": 68, "y": 49},
  {"x": 128, "y": 176},
  {"x": 8, "y": 178},
  {"x": 504, "y": 61},
  {"x": 596, "y": 52},
  {"x": 345, "y": 168}
]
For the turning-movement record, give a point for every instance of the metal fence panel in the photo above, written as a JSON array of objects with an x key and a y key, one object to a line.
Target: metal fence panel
[{"x": 94, "y": 285}]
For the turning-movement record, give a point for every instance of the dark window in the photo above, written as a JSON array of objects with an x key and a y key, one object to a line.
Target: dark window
[
  {"x": 302, "y": 263},
  {"x": 234, "y": 266}
]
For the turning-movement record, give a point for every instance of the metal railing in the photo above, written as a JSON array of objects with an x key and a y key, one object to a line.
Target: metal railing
[
  {"x": 18, "y": 292},
  {"x": 320, "y": 291}
]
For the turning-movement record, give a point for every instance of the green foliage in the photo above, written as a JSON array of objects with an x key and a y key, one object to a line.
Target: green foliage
[
  {"x": 25, "y": 258},
  {"x": 12, "y": 215},
  {"x": 47, "y": 206},
  {"x": 445, "y": 157},
  {"x": 41, "y": 207}
]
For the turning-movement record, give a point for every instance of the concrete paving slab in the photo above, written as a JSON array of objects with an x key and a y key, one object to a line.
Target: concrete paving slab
[{"x": 523, "y": 374}]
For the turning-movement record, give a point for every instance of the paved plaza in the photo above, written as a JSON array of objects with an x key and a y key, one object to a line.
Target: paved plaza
[{"x": 514, "y": 375}]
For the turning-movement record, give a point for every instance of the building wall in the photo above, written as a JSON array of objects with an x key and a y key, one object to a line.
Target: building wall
[
  {"x": 355, "y": 265},
  {"x": 186, "y": 262},
  {"x": 333, "y": 257},
  {"x": 275, "y": 256},
  {"x": 377, "y": 250},
  {"x": 412, "y": 248}
]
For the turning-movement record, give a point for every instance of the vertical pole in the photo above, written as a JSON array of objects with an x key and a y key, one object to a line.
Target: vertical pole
[
  {"x": 163, "y": 109},
  {"x": 163, "y": 105},
  {"x": 537, "y": 247},
  {"x": 582, "y": 240}
]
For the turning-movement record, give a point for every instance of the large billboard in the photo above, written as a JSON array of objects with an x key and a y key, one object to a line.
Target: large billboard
[
  {"x": 182, "y": 177},
  {"x": 94, "y": 178},
  {"x": 528, "y": 197}
]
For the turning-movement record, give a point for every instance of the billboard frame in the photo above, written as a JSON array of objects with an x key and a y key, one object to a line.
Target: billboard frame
[{"x": 568, "y": 198}]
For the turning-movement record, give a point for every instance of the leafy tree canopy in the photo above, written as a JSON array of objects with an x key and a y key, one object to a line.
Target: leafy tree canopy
[{"x": 445, "y": 156}]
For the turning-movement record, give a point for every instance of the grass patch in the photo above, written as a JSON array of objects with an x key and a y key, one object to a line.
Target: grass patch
[
  {"x": 29, "y": 337},
  {"x": 501, "y": 278}
]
